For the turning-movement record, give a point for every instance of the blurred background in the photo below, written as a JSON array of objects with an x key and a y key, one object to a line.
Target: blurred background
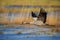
[{"x": 19, "y": 11}]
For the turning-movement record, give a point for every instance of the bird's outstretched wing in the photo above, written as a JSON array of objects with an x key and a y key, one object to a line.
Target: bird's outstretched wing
[{"x": 33, "y": 14}]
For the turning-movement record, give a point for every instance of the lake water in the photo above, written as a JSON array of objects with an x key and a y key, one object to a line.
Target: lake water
[{"x": 26, "y": 33}]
